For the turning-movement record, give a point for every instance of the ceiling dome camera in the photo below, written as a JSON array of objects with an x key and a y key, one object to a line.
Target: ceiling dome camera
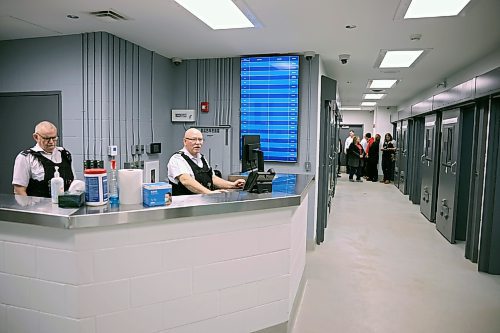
[{"x": 344, "y": 58}]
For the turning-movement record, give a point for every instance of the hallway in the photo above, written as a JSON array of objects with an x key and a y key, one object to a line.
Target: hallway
[{"x": 384, "y": 268}]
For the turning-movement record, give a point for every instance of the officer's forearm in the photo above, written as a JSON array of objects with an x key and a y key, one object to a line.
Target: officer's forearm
[{"x": 193, "y": 185}]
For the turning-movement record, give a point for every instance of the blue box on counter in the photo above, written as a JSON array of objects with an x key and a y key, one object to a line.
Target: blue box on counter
[{"x": 156, "y": 194}]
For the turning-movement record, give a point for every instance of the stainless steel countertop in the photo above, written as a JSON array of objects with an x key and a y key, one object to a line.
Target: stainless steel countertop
[{"x": 288, "y": 190}]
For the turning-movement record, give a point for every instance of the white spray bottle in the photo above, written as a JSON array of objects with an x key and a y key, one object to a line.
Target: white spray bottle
[{"x": 56, "y": 186}]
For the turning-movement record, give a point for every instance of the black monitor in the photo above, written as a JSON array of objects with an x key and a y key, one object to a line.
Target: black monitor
[{"x": 252, "y": 157}]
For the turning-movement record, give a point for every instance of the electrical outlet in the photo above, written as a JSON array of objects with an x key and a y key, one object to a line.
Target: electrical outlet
[
  {"x": 140, "y": 149},
  {"x": 307, "y": 166}
]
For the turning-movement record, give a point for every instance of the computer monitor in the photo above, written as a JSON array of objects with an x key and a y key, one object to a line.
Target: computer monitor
[{"x": 252, "y": 157}]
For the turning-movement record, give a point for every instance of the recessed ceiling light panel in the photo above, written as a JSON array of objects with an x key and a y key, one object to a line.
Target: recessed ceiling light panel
[
  {"x": 381, "y": 84},
  {"x": 396, "y": 59},
  {"x": 217, "y": 14},
  {"x": 373, "y": 96},
  {"x": 399, "y": 58},
  {"x": 368, "y": 103},
  {"x": 433, "y": 8},
  {"x": 350, "y": 108}
]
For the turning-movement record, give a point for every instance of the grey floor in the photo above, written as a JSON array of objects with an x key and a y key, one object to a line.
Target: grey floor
[{"x": 384, "y": 268}]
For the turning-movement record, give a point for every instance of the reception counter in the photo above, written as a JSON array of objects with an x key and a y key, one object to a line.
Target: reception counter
[{"x": 228, "y": 262}]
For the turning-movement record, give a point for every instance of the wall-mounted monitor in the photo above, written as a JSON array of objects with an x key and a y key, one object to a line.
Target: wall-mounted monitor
[{"x": 270, "y": 104}]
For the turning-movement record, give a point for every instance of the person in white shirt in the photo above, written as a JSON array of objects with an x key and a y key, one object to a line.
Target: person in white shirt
[
  {"x": 35, "y": 167},
  {"x": 189, "y": 172},
  {"x": 348, "y": 142}
]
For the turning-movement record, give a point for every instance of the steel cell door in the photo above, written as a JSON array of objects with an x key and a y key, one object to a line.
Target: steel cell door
[
  {"x": 398, "y": 154},
  {"x": 403, "y": 156},
  {"x": 445, "y": 214},
  {"x": 428, "y": 163}
]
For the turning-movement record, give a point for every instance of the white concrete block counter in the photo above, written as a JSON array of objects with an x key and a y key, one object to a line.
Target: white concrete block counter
[{"x": 228, "y": 262}]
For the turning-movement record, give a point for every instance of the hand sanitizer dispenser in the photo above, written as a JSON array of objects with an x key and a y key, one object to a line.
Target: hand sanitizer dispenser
[{"x": 56, "y": 186}]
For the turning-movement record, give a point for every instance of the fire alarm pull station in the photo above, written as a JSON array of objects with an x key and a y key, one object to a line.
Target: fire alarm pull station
[{"x": 204, "y": 106}]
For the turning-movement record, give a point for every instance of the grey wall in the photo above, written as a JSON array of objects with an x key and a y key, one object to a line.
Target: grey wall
[
  {"x": 218, "y": 82},
  {"x": 106, "y": 95},
  {"x": 94, "y": 116}
]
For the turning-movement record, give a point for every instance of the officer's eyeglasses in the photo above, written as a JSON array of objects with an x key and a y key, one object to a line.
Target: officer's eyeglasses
[
  {"x": 47, "y": 139},
  {"x": 195, "y": 139}
]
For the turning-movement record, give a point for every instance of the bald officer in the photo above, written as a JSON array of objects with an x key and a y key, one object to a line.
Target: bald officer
[
  {"x": 189, "y": 172},
  {"x": 35, "y": 167}
]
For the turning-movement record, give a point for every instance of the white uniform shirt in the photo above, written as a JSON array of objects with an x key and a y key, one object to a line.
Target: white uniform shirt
[
  {"x": 177, "y": 165},
  {"x": 364, "y": 143},
  {"x": 28, "y": 166},
  {"x": 348, "y": 142}
]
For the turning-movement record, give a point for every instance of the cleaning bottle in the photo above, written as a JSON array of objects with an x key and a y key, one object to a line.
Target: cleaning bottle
[
  {"x": 113, "y": 186},
  {"x": 56, "y": 186}
]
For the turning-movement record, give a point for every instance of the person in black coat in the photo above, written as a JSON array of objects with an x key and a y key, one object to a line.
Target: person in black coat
[
  {"x": 388, "y": 158},
  {"x": 373, "y": 158}
]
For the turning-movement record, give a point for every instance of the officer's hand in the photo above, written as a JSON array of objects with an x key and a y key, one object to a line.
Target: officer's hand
[{"x": 239, "y": 183}]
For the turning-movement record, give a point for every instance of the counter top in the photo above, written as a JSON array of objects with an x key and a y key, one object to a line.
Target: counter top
[{"x": 288, "y": 190}]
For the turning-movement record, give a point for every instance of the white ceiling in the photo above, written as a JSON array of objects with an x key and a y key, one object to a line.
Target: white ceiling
[{"x": 288, "y": 26}]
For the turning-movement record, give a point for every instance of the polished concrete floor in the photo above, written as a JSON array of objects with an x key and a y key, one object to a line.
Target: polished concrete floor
[{"x": 384, "y": 268}]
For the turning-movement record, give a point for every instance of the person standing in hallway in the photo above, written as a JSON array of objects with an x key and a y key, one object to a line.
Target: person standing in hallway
[
  {"x": 372, "y": 158},
  {"x": 347, "y": 144},
  {"x": 35, "y": 167},
  {"x": 388, "y": 158},
  {"x": 355, "y": 156},
  {"x": 368, "y": 141},
  {"x": 339, "y": 152},
  {"x": 189, "y": 172}
]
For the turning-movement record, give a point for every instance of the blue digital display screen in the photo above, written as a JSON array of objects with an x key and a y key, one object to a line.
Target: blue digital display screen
[{"x": 270, "y": 104}]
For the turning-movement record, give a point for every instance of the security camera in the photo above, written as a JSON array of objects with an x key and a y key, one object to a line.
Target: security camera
[
  {"x": 309, "y": 55},
  {"x": 176, "y": 61},
  {"x": 344, "y": 58}
]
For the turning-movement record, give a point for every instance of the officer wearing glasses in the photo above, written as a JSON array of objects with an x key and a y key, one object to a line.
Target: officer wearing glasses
[
  {"x": 189, "y": 172},
  {"x": 34, "y": 167}
]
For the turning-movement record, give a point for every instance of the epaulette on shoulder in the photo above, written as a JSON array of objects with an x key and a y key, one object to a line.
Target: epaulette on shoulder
[{"x": 27, "y": 152}]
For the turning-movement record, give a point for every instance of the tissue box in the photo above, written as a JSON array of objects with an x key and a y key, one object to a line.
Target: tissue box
[{"x": 156, "y": 194}]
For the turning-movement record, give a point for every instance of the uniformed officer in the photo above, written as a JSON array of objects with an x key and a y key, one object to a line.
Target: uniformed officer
[
  {"x": 34, "y": 167},
  {"x": 189, "y": 172}
]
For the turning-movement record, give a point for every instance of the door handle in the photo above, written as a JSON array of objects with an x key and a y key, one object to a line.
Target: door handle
[
  {"x": 454, "y": 164},
  {"x": 422, "y": 158}
]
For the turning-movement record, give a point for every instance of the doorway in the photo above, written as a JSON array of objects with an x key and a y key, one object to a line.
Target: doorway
[
  {"x": 19, "y": 113},
  {"x": 344, "y": 133}
]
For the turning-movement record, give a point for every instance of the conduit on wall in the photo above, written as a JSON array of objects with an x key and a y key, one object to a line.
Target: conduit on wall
[{"x": 111, "y": 92}]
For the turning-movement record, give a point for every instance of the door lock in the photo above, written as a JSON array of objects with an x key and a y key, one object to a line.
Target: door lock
[
  {"x": 445, "y": 210},
  {"x": 426, "y": 195}
]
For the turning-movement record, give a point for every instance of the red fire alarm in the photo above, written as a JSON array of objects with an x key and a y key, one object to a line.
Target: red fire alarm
[{"x": 204, "y": 106}]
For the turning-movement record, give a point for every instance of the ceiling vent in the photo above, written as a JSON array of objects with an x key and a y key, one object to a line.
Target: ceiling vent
[{"x": 109, "y": 15}]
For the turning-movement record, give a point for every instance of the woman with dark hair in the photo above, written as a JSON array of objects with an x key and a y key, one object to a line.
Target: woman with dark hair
[
  {"x": 372, "y": 159},
  {"x": 388, "y": 158},
  {"x": 355, "y": 155}
]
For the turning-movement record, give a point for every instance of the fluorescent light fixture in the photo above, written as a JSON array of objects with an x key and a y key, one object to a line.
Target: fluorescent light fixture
[
  {"x": 373, "y": 96},
  {"x": 382, "y": 84},
  {"x": 433, "y": 8},
  {"x": 368, "y": 103},
  {"x": 396, "y": 59},
  {"x": 350, "y": 108},
  {"x": 217, "y": 14}
]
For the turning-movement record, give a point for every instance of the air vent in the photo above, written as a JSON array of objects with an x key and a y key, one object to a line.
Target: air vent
[{"x": 109, "y": 15}]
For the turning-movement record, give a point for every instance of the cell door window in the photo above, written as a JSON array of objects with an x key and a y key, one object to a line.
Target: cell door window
[
  {"x": 448, "y": 146},
  {"x": 429, "y": 136}
]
